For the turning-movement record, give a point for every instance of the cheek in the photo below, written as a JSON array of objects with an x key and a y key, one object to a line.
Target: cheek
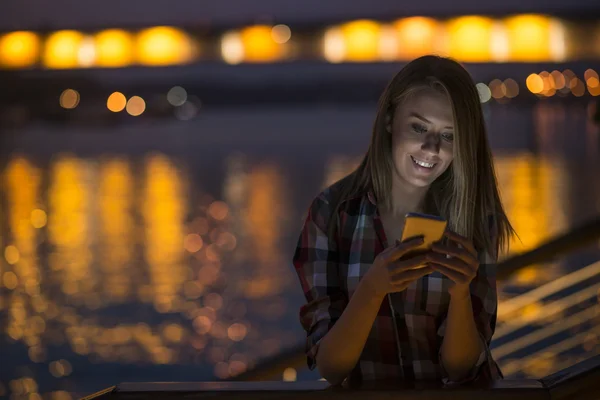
[
  {"x": 447, "y": 153},
  {"x": 403, "y": 144}
]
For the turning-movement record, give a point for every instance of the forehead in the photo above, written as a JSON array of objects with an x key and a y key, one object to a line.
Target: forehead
[{"x": 431, "y": 105}]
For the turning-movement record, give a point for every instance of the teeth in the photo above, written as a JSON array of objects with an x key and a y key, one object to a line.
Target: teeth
[{"x": 421, "y": 163}]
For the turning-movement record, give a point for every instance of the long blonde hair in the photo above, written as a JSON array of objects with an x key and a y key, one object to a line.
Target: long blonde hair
[{"x": 466, "y": 194}]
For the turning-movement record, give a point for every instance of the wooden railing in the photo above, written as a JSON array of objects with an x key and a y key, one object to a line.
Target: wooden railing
[{"x": 578, "y": 382}]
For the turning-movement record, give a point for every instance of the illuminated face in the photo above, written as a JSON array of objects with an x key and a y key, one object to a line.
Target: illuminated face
[{"x": 422, "y": 138}]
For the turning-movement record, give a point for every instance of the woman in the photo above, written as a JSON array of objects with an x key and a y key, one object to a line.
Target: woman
[{"x": 373, "y": 313}]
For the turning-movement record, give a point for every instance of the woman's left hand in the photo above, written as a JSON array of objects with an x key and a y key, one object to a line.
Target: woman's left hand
[{"x": 458, "y": 262}]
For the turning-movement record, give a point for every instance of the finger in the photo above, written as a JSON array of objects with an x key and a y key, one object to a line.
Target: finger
[
  {"x": 457, "y": 252},
  {"x": 466, "y": 243},
  {"x": 455, "y": 264},
  {"x": 454, "y": 275},
  {"x": 416, "y": 262},
  {"x": 404, "y": 247},
  {"x": 410, "y": 275}
]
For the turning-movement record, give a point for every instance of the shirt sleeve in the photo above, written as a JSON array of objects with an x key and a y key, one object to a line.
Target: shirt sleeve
[
  {"x": 316, "y": 262},
  {"x": 484, "y": 301}
]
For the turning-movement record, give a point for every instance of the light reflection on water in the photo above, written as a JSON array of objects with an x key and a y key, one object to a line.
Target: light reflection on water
[{"x": 110, "y": 260}]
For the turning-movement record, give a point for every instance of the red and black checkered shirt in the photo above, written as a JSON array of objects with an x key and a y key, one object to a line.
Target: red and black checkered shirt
[{"x": 406, "y": 337}]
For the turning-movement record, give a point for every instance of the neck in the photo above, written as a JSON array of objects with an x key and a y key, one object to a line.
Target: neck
[{"x": 407, "y": 198}]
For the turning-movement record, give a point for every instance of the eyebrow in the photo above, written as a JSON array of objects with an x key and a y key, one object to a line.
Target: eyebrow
[{"x": 422, "y": 118}]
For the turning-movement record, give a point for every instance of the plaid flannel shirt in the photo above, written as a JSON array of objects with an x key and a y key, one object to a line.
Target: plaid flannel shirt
[{"x": 405, "y": 340}]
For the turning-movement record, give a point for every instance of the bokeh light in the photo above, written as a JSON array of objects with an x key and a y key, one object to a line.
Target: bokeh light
[
  {"x": 470, "y": 38},
  {"x": 116, "y": 102},
  {"x": 356, "y": 41},
  {"x": 11, "y": 254},
  {"x": 177, "y": 96},
  {"x": 69, "y": 99},
  {"x": 136, "y": 106},
  {"x": 281, "y": 33},
  {"x": 290, "y": 375},
  {"x": 511, "y": 88},
  {"x": 38, "y": 218},
  {"x": 485, "y": 94},
  {"x": 497, "y": 89},
  {"x": 193, "y": 243},
  {"x": 361, "y": 40},
  {"x": 114, "y": 48},
  {"x": 535, "y": 83},
  {"x": 19, "y": 49},
  {"x": 559, "y": 79},
  {"x": 591, "y": 78},
  {"x": 232, "y": 48},
  {"x": 61, "y": 49},
  {"x": 416, "y": 36},
  {"x": 163, "y": 45},
  {"x": 86, "y": 56},
  {"x": 10, "y": 280},
  {"x": 334, "y": 48},
  {"x": 218, "y": 210},
  {"x": 577, "y": 87},
  {"x": 260, "y": 44},
  {"x": 529, "y": 37}
]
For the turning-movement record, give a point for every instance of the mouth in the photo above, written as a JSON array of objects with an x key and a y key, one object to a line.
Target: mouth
[{"x": 423, "y": 164}]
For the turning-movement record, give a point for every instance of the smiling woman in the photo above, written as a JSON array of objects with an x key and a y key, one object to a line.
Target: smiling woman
[{"x": 429, "y": 153}]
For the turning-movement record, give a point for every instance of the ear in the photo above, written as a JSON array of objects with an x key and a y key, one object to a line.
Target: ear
[{"x": 388, "y": 122}]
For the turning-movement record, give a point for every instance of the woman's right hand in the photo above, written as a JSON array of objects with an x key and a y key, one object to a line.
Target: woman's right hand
[{"x": 391, "y": 272}]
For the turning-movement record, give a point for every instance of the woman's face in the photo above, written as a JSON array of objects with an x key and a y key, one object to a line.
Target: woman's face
[{"x": 422, "y": 138}]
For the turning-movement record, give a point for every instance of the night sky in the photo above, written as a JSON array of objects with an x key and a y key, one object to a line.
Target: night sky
[{"x": 57, "y": 14}]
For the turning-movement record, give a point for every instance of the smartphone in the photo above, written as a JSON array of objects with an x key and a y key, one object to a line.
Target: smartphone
[{"x": 431, "y": 227}]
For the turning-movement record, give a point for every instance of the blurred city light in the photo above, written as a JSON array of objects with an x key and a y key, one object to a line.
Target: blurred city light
[
  {"x": 136, "y": 106},
  {"x": 591, "y": 78},
  {"x": 114, "y": 48},
  {"x": 116, "y": 102},
  {"x": 470, "y": 38},
  {"x": 485, "y": 94},
  {"x": 232, "y": 48},
  {"x": 529, "y": 38},
  {"x": 511, "y": 88},
  {"x": 38, "y": 218},
  {"x": 11, "y": 254},
  {"x": 578, "y": 87},
  {"x": 260, "y": 43},
  {"x": 19, "y": 49},
  {"x": 497, "y": 89},
  {"x": 499, "y": 43},
  {"x": 289, "y": 375},
  {"x": 163, "y": 46},
  {"x": 416, "y": 36},
  {"x": 549, "y": 85},
  {"x": 177, "y": 96},
  {"x": 281, "y": 34},
  {"x": 334, "y": 48},
  {"x": 559, "y": 79},
  {"x": 69, "y": 99},
  {"x": 388, "y": 44},
  {"x": 361, "y": 40},
  {"x": 61, "y": 49},
  {"x": 535, "y": 83},
  {"x": 557, "y": 40},
  {"x": 86, "y": 57}
]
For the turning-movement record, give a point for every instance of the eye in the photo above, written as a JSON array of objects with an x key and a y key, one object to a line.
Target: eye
[
  {"x": 418, "y": 128},
  {"x": 449, "y": 137}
]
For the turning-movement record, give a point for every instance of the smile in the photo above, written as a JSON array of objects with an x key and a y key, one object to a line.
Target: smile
[{"x": 422, "y": 163}]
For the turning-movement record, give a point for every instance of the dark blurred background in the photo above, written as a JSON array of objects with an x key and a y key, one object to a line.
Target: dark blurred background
[{"x": 157, "y": 158}]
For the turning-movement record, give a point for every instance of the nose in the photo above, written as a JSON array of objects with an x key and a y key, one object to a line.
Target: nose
[{"x": 431, "y": 143}]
